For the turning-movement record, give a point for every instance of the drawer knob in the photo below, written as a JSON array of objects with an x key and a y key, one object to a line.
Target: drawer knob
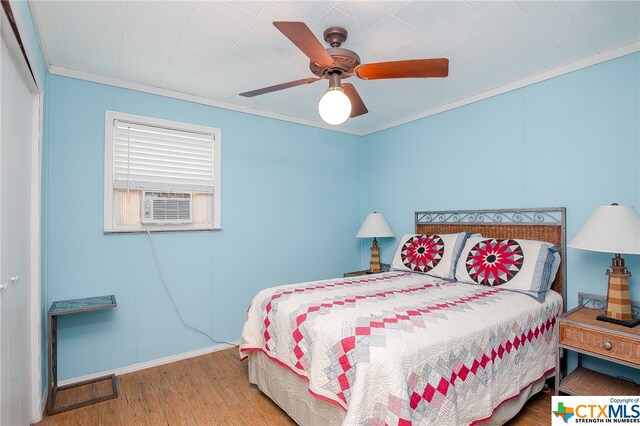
[{"x": 607, "y": 345}]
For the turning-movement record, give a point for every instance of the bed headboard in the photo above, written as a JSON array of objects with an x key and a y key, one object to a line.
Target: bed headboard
[{"x": 543, "y": 224}]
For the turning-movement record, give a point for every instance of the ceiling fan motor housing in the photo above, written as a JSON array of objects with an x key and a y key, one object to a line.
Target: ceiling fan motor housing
[{"x": 345, "y": 59}]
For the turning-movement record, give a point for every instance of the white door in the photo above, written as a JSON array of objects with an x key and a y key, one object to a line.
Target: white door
[{"x": 15, "y": 253}]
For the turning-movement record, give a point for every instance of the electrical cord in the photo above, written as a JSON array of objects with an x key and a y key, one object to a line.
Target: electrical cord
[{"x": 175, "y": 306}]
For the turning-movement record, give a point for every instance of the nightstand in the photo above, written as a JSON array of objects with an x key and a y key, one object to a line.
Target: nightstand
[
  {"x": 384, "y": 267},
  {"x": 358, "y": 273},
  {"x": 580, "y": 331}
]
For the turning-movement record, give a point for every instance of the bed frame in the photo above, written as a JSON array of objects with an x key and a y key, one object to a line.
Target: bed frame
[
  {"x": 545, "y": 224},
  {"x": 542, "y": 224}
]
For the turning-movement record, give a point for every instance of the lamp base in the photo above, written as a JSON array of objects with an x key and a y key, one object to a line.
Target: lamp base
[
  {"x": 627, "y": 323},
  {"x": 618, "y": 301},
  {"x": 374, "y": 265}
]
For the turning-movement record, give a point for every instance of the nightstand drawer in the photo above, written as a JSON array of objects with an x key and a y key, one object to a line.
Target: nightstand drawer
[{"x": 602, "y": 343}]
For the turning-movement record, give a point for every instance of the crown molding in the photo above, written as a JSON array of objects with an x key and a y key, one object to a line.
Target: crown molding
[
  {"x": 584, "y": 63},
  {"x": 547, "y": 75},
  {"x": 139, "y": 87}
]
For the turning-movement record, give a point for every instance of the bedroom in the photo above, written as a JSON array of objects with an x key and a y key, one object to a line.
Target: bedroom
[{"x": 295, "y": 191}]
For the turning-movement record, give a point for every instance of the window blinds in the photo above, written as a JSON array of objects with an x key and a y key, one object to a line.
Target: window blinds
[{"x": 162, "y": 159}]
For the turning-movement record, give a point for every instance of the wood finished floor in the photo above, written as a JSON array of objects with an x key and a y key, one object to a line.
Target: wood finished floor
[{"x": 210, "y": 389}]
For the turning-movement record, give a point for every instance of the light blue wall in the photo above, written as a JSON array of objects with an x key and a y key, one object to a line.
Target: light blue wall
[
  {"x": 571, "y": 141},
  {"x": 291, "y": 200},
  {"x": 290, "y": 210}
]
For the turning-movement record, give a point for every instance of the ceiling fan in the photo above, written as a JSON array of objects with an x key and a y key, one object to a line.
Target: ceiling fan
[{"x": 335, "y": 63}]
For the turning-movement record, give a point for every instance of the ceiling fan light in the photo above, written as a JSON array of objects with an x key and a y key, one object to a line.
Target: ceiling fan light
[{"x": 334, "y": 106}]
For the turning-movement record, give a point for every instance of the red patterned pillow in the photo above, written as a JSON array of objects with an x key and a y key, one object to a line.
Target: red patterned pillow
[
  {"x": 422, "y": 253},
  {"x": 526, "y": 266},
  {"x": 431, "y": 254},
  {"x": 494, "y": 262}
]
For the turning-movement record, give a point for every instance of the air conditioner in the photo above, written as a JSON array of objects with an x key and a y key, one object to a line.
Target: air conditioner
[{"x": 166, "y": 207}]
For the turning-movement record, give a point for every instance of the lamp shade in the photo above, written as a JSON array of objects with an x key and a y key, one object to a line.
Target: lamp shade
[
  {"x": 374, "y": 226},
  {"x": 610, "y": 229}
]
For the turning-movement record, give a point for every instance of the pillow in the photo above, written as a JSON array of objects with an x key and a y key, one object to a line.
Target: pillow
[
  {"x": 526, "y": 266},
  {"x": 435, "y": 255}
]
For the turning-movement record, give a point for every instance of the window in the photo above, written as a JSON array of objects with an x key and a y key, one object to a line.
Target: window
[{"x": 160, "y": 175}]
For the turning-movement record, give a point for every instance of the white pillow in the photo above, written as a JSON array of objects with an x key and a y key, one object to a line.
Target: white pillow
[
  {"x": 521, "y": 265},
  {"x": 435, "y": 255}
]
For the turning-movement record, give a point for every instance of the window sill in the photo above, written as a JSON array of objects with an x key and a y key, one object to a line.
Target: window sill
[{"x": 158, "y": 229}]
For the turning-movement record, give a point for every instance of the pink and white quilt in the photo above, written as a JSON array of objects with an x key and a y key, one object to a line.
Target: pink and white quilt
[{"x": 402, "y": 348}]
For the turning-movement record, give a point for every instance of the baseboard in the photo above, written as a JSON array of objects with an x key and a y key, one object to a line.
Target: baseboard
[
  {"x": 43, "y": 404},
  {"x": 147, "y": 364}
]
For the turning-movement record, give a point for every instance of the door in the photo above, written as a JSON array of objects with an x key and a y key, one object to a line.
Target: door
[{"x": 16, "y": 141}]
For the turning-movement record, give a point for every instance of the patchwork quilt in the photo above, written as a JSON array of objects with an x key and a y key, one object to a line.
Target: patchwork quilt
[{"x": 402, "y": 348}]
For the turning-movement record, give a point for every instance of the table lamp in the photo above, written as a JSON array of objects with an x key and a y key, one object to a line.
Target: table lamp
[
  {"x": 613, "y": 229},
  {"x": 375, "y": 226}
]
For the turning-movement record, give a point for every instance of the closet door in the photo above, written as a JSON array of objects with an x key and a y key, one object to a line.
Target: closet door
[{"x": 15, "y": 191}]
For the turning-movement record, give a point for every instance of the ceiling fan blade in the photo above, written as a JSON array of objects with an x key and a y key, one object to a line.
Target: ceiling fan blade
[
  {"x": 303, "y": 38},
  {"x": 279, "y": 87},
  {"x": 357, "y": 106},
  {"x": 413, "y": 68}
]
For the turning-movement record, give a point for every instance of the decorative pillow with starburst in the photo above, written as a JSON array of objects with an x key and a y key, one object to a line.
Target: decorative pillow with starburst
[
  {"x": 521, "y": 265},
  {"x": 435, "y": 255},
  {"x": 494, "y": 262}
]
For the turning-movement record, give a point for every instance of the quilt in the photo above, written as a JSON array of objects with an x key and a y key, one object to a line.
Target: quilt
[{"x": 402, "y": 348}]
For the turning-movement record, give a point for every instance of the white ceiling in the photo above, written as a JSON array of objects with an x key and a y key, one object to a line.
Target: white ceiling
[{"x": 216, "y": 49}]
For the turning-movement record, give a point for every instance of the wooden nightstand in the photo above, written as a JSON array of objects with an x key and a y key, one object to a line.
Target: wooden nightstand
[
  {"x": 358, "y": 273},
  {"x": 580, "y": 331},
  {"x": 384, "y": 267}
]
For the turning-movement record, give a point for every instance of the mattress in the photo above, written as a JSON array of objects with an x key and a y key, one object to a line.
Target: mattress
[{"x": 402, "y": 347}]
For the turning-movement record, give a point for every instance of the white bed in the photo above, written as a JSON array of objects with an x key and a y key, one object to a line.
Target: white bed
[{"x": 406, "y": 348}]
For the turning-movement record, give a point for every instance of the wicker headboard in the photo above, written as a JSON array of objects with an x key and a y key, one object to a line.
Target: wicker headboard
[{"x": 543, "y": 224}]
